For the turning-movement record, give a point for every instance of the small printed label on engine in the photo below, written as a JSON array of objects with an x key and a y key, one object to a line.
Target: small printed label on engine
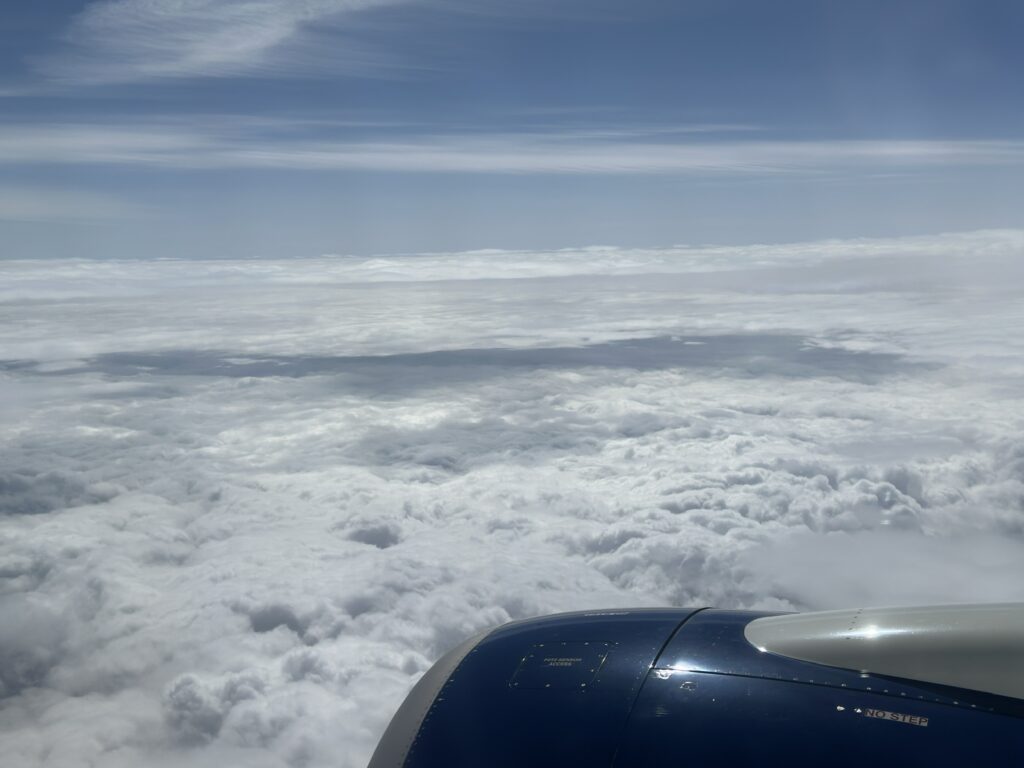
[
  {"x": 560, "y": 665},
  {"x": 896, "y": 717}
]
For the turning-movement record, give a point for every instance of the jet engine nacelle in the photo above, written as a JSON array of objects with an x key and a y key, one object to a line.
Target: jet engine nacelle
[{"x": 932, "y": 687}]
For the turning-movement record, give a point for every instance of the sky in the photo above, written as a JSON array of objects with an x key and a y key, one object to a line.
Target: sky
[{"x": 284, "y": 128}]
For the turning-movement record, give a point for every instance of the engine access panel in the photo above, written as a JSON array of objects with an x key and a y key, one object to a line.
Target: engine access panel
[{"x": 546, "y": 692}]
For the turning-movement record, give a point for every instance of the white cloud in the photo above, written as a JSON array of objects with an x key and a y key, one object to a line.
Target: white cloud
[
  {"x": 245, "y": 504},
  {"x": 130, "y": 40},
  {"x": 34, "y": 203},
  {"x": 544, "y": 154},
  {"x": 218, "y": 143},
  {"x": 57, "y": 144},
  {"x": 126, "y": 41}
]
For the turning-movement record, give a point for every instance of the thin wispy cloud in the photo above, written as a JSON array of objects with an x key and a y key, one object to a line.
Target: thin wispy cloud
[
  {"x": 529, "y": 154},
  {"x": 42, "y": 204},
  {"x": 132, "y": 40},
  {"x": 55, "y": 144},
  {"x": 570, "y": 152}
]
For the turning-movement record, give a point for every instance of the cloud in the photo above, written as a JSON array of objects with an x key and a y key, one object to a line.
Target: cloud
[
  {"x": 114, "y": 41},
  {"x": 128, "y": 41},
  {"x": 42, "y": 204},
  {"x": 830, "y": 570},
  {"x": 752, "y": 354},
  {"x": 30, "y": 643},
  {"x": 247, "y": 503},
  {"x": 33, "y": 494},
  {"x": 540, "y": 154},
  {"x": 221, "y": 144}
]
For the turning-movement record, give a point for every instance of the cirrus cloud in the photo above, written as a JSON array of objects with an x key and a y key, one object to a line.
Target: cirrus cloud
[
  {"x": 115, "y": 41},
  {"x": 204, "y": 144}
]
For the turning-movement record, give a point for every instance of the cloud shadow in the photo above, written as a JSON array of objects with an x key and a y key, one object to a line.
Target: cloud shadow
[{"x": 745, "y": 355}]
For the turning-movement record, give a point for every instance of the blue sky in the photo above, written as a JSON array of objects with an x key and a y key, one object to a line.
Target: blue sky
[{"x": 276, "y": 128}]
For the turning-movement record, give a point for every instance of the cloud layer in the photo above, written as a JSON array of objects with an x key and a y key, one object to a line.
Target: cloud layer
[{"x": 243, "y": 505}]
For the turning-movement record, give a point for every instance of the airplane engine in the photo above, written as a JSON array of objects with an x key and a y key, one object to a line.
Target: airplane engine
[{"x": 930, "y": 686}]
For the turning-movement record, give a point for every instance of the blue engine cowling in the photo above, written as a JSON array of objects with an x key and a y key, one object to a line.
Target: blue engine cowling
[{"x": 680, "y": 687}]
